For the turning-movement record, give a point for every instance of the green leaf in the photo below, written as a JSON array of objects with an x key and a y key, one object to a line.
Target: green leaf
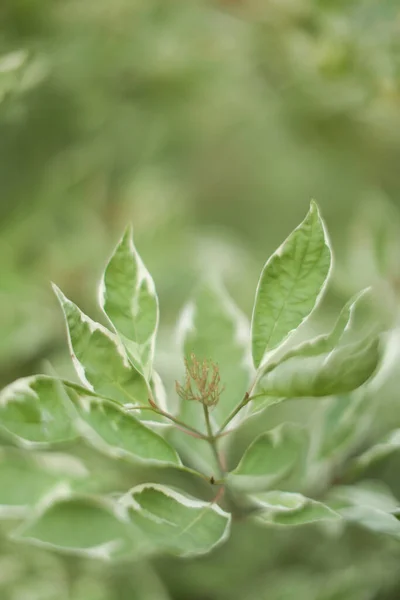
[
  {"x": 321, "y": 345},
  {"x": 175, "y": 523},
  {"x": 366, "y": 493},
  {"x": 26, "y": 477},
  {"x": 346, "y": 418},
  {"x": 33, "y": 409},
  {"x": 290, "y": 285},
  {"x": 338, "y": 372},
  {"x": 389, "y": 445},
  {"x": 368, "y": 504},
  {"x": 100, "y": 359},
  {"x": 129, "y": 300},
  {"x": 110, "y": 429},
  {"x": 287, "y": 508},
  {"x": 271, "y": 456},
  {"x": 83, "y": 525},
  {"x": 371, "y": 518},
  {"x": 213, "y": 328},
  {"x": 324, "y": 344}
]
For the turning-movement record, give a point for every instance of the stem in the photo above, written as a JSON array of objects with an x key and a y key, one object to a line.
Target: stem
[
  {"x": 213, "y": 443},
  {"x": 233, "y": 414},
  {"x": 182, "y": 426}
]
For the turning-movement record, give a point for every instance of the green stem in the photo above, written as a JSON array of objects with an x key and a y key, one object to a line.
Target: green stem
[
  {"x": 233, "y": 414},
  {"x": 186, "y": 428},
  {"x": 213, "y": 442}
]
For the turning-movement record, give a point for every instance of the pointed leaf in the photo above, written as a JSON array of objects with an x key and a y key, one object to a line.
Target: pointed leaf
[
  {"x": 100, "y": 359},
  {"x": 129, "y": 299},
  {"x": 175, "y": 523},
  {"x": 270, "y": 457},
  {"x": 338, "y": 372},
  {"x": 82, "y": 525},
  {"x": 110, "y": 429},
  {"x": 213, "y": 328},
  {"x": 33, "y": 409},
  {"x": 287, "y": 508},
  {"x": 290, "y": 285},
  {"x": 324, "y": 344}
]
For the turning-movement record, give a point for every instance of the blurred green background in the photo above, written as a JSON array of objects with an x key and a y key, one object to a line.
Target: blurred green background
[{"x": 209, "y": 126}]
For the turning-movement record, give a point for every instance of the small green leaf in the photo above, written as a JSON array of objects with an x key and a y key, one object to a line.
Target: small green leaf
[
  {"x": 129, "y": 300},
  {"x": 389, "y": 445},
  {"x": 338, "y": 372},
  {"x": 371, "y": 518},
  {"x": 290, "y": 285},
  {"x": 26, "y": 477},
  {"x": 33, "y": 409},
  {"x": 270, "y": 457},
  {"x": 110, "y": 429},
  {"x": 82, "y": 525},
  {"x": 175, "y": 523},
  {"x": 213, "y": 328},
  {"x": 368, "y": 504},
  {"x": 321, "y": 345},
  {"x": 324, "y": 344},
  {"x": 366, "y": 493},
  {"x": 100, "y": 359},
  {"x": 287, "y": 508}
]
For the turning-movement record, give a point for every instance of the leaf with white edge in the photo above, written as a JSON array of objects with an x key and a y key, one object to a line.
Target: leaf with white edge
[
  {"x": 213, "y": 328},
  {"x": 337, "y": 372},
  {"x": 109, "y": 428},
  {"x": 288, "y": 508},
  {"x": 321, "y": 345},
  {"x": 291, "y": 285},
  {"x": 128, "y": 298},
  {"x": 83, "y": 525},
  {"x": 175, "y": 523},
  {"x": 270, "y": 457},
  {"x": 34, "y": 410},
  {"x": 324, "y": 344},
  {"x": 100, "y": 359},
  {"x": 27, "y": 477}
]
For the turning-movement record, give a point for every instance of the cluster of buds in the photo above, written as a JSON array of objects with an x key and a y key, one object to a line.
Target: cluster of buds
[{"x": 202, "y": 382}]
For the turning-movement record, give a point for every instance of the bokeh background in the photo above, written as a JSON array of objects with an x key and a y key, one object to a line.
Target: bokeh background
[{"x": 209, "y": 126}]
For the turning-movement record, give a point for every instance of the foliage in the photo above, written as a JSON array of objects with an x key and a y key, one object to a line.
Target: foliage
[
  {"x": 205, "y": 124},
  {"x": 120, "y": 410}
]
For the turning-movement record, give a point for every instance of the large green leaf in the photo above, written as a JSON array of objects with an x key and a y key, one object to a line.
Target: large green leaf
[
  {"x": 83, "y": 525},
  {"x": 100, "y": 359},
  {"x": 34, "y": 409},
  {"x": 27, "y": 477},
  {"x": 213, "y": 328},
  {"x": 288, "y": 508},
  {"x": 175, "y": 523},
  {"x": 337, "y": 372},
  {"x": 270, "y": 457},
  {"x": 109, "y": 428},
  {"x": 129, "y": 299},
  {"x": 290, "y": 285}
]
